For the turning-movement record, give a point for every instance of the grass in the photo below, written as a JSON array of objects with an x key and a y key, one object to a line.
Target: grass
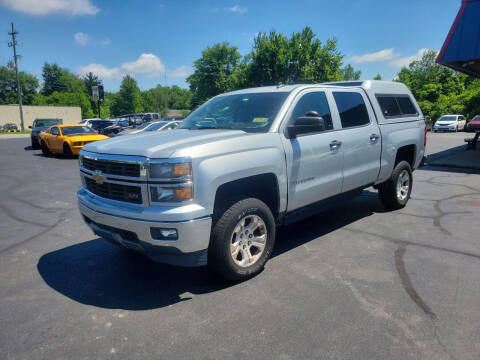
[{"x": 13, "y": 132}]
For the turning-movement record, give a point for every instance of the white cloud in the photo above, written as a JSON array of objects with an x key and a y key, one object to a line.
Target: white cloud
[
  {"x": 237, "y": 9},
  {"x": 181, "y": 72},
  {"x": 45, "y": 7},
  {"x": 101, "y": 71},
  {"x": 105, "y": 41},
  {"x": 405, "y": 61},
  {"x": 81, "y": 38},
  {"x": 146, "y": 64},
  {"x": 382, "y": 55}
]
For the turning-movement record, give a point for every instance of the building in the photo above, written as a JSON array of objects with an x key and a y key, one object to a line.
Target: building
[{"x": 11, "y": 114}]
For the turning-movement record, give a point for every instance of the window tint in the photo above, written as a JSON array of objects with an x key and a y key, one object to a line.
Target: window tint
[
  {"x": 406, "y": 105},
  {"x": 352, "y": 109},
  {"x": 314, "y": 101},
  {"x": 54, "y": 131},
  {"x": 389, "y": 106}
]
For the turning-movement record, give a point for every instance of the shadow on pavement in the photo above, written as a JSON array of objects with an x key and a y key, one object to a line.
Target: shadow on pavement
[{"x": 103, "y": 275}]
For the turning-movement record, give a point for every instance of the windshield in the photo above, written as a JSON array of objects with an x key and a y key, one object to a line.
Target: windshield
[
  {"x": 143, "y": 126},
  {"x": 70, "y": 130},
  {"x": 100, "y": 124},
  {"x": 248, "y": 112},
  {"x": 156, "y": 126},
  {"x": 448, "y": 118},
  {"x": 45, "y": 122}
]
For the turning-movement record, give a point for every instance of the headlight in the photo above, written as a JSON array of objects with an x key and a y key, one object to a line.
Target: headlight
[
  {"x": 77, "y": 143},
  {"x": 160, "y": 193},
  {"x": 174, "y": 171}
]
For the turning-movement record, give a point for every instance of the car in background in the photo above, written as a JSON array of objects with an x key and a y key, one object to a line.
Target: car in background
[
  {"x": 40, "y": 125},
  {"x": 450, "y": 123},
  {"x": 173, "y": 118},
  {"x": 117, "y": 126},
  {"x": 133, "y": 119},
  {"x": 154, "y": 126},
  {"x": 148, "y": 117},
  {"x": 474, "y": 124},
  {"x": 85, "y": 121},
  {"x": 1, "y": 127},
  {"x": 99, "y": 125},
  {"x": 67, "y": 139},
  {"x": 10, "y": 126}
]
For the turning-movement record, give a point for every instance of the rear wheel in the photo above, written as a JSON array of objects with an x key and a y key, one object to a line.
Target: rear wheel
[
  {"x": 45, "y": 149},
  {"x": 395, "y": 192},
  {"x": 242, "y": 240},
  {"x": 67, "y": 151}
]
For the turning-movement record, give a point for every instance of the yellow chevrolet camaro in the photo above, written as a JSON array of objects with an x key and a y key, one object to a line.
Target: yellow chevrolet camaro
[{"x": 67, "y": 139}]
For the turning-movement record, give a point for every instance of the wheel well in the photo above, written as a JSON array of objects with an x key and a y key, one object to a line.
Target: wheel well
[
  {"x": 263, "y": 187},
  {"x": 406, "y": 153}
]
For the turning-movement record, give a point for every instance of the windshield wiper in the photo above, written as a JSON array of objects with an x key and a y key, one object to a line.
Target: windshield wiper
[{"x": 212, "y": 127}]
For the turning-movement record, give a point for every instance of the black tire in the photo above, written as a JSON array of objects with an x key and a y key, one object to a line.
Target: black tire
[
  {"x": 219, "y": 257},
  {"x": 387, "y": 191},
  {"x": 66, "y": 150},
  {"x": 35, "y": 145},
  {"x": 45, "y": 150}
]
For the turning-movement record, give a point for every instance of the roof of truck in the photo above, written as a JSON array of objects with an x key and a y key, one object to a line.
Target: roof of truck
[{"x": 378, "y": 86}]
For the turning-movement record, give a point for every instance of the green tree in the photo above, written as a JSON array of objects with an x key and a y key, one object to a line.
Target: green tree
[
  {"x": 377, "y": 77},
  {"x": 90, "y": 80},
  {"x": 349, "y": 73},
  {"x": 301, "y": 58},
  {"x": 57, "y": 98},
  {"x": 214, "y": 72},
  {"x": 59, "y": 79},
  {"x": 129, "y": 99},
  {"x": 8, "y": 86}
]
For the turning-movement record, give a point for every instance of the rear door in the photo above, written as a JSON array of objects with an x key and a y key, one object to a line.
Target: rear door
[
  {"x": 314, "y": 162},
  {"x": 360, "y": 137}
]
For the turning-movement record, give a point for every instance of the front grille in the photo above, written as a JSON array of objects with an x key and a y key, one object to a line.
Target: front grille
[
  {"x": 132, "y": 194},
  {"x": 112, "y": 167}
]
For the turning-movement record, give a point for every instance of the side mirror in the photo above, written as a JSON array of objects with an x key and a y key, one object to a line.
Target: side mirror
[
  {"x": 305, "y": 125},
  {"x": 29, "y": 126}
]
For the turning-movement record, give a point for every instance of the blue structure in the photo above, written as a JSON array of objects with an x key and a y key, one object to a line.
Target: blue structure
[{"x": 461, "y": 50}]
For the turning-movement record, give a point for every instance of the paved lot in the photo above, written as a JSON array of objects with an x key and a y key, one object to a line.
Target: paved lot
[{"x": 353, "y": 283}]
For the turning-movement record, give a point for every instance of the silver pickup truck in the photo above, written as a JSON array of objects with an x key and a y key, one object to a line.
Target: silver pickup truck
[{"x": 214, "y": 190}]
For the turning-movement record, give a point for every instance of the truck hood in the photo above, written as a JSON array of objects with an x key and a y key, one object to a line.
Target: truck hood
[{"x": 161, "y": 144}]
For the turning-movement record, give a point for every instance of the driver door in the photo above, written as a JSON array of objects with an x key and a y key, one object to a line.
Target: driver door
[
  {"x": 314, "y": 160},
  {"x": 54, "y": 139}
]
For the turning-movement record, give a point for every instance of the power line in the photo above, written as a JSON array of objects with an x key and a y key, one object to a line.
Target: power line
[{"x": 13, "y": 44}]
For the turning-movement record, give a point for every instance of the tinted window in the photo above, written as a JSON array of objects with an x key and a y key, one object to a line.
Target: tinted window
[
  {"x": 406, "y": 106},
  {"x": 314, "y": 101},
  {"x": 75, "y": 130},
  {"x": 54, "y": 131},
  {"x": 45, "y": 122},
  {"x": 352, "y": 109},
  {"x": 389, "y": 106}
]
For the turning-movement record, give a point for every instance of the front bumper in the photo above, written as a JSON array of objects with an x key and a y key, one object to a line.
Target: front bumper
[
  {"x": 190, "y": 249},
  {"x": 445, "y": 128}
]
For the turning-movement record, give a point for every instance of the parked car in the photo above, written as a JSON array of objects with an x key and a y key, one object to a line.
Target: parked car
[
  {"x": 134, "y": 119},
  {"x": 450, "y": 123},
  {"x": 67, "y": 139},
  {"x": 173, "y": 118},
  {"x": 10, "y": 126},
  {"x": 99, "y": 125},
  {"x": 38, "y": 126},
  {"x": 148, "y": 117},
  {"x": 153, "y": 126},
  {"x": 85, "y": 121},
  {"x": 1, "y": 127},
  {"x": 214, "y": 190},
  {"x": 117, "y": 126},
  {"x": 474, "y": 124}
]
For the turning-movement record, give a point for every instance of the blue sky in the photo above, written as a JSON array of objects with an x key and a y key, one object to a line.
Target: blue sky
[{"x": 157, "y": 41}]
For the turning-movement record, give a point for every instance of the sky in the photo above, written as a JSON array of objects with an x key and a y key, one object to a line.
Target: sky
[{"x": 158, "y": 41}]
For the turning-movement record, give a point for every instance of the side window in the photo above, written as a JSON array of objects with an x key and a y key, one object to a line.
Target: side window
[
  {"x": 406, "y": 106},
  {"x": 352, "y": 109},
  {"x": 388, "y": 105},
  {"x": 54, "y": 131},
  {"x": 314, "y": 101}
]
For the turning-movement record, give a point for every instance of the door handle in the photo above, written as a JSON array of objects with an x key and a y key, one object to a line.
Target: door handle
[
  {"x": 335, "y": 144},
  {"x": 374, "y": 138}
]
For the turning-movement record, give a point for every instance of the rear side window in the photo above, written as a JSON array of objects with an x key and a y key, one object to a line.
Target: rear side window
[
  {"x": 352, "y": 109},
  {"x": 314, "y": 101},
  {"x": 396, "y": 105},
  {"x": 389, "y": 106}
]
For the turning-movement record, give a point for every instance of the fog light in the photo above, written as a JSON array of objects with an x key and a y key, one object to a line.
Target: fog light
[{"x": 163, "y": 234}]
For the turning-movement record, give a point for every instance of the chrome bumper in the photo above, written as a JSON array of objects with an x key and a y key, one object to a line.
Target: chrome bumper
[{"x": 190, "y": 249}]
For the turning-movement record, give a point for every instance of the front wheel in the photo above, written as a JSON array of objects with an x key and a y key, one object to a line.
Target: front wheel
[
  {"x": 395, "y": 192},
  {"x": 242, "y": 240},
  {"x": 66, "y": 150}
]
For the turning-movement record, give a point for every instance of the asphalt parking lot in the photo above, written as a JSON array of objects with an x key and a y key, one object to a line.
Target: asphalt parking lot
[{"x": 353, "y": 283}]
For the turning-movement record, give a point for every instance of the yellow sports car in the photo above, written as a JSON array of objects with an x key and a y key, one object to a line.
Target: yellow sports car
[{"x": 67, "y": 139}]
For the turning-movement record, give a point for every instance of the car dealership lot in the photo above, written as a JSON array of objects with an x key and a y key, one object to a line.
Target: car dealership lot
[{"x": 353, "y": 283}]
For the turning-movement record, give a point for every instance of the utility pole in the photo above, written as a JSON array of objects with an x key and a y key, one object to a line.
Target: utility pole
[{"x": 13, "y": 44}]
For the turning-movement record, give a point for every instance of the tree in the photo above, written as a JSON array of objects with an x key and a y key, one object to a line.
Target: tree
[
  {"x": 301, "y": 58},
  {"x": 57, "y": 98},
  {"x": 377, "y": 77},
  {"x": 128, "y": 100},
  {"x": 59, "y": 79},
  {"x": 214, "y": 72},
  {"x": 91, "y": 80},
  {"x": 8, "y": 86},
  {"x": 349, "y": 73}
]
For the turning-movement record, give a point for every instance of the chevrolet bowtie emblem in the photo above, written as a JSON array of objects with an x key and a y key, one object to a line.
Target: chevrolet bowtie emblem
[{"x": 98, "y": 177}]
